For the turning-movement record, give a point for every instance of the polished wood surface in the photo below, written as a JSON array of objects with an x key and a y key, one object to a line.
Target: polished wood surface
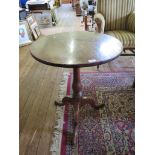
[{"x": 76, "y": 49}]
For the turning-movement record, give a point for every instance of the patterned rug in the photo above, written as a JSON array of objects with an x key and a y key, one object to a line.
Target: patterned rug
[{"x": 108, "y": 131}]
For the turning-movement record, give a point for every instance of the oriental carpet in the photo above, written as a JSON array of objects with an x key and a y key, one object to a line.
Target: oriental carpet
[{"x": 107, "y": 131}]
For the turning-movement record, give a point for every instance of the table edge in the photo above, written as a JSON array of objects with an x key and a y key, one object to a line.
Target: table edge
[{"x": 74, "y": 65}]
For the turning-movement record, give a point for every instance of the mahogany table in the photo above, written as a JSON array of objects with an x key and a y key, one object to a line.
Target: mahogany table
[{"x": 76, "y": 50}]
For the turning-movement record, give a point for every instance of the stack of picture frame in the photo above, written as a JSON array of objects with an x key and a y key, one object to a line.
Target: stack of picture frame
[
  {"x": 28, "y": 30},
  {"x": 33, "y": 26}
]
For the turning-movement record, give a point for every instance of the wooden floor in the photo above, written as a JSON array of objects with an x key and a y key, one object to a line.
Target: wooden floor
[{"x": 39, "y": 85}]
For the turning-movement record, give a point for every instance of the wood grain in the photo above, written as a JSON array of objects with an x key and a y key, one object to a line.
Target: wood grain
[{"x": 76, "y": 49}]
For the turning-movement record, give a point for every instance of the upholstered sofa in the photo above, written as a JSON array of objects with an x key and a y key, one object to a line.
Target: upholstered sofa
[{"x": 117, "y": 18}]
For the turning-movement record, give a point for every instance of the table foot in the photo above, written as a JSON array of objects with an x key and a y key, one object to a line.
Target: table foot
[
  {"x": 92, "y": 103},
  {"x": 76, "y": 103},
  {"x": 84, "y": 100},
  {"x": 98, "y": 67},
  {"x": 67, "y": 100}
]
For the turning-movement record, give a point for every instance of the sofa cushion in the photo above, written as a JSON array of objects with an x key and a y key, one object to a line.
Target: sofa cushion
[{"x": 127, "y": 38}]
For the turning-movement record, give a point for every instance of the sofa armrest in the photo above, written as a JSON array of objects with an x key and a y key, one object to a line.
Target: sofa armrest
[
  {"x": 131, "y": 22},
  {"x": 100, "y": 22}
]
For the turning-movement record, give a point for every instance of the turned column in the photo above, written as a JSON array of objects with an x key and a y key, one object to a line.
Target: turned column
[{"x": 76, "y": 86}]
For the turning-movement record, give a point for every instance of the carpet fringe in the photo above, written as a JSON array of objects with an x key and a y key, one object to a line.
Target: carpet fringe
[{"x": 57, "y": 134}]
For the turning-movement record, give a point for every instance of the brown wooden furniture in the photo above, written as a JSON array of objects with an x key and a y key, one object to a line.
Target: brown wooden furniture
[
  {"x": 76, "y": 50},
  {"x": 44, "y": 6},
  {"x": 85, "y": 23},
  {"x": 88, "y": 22},
  {"x": 78, "y": 8},
  {"x": 66, "y": 1}
]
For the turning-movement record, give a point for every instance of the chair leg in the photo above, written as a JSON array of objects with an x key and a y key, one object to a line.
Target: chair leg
[
  {"x": 133, "y": 85},
  {"x": 98, "y": 67}
]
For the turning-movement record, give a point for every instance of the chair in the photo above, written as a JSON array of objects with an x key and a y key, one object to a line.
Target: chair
[
  {"x": 91, "y": 11},
  {"x": 88, "y": 11},
  {"x": 117, "y": 18}
]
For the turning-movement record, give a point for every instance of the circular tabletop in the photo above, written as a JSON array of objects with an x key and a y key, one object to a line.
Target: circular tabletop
[{"x": 76, "y": 49}]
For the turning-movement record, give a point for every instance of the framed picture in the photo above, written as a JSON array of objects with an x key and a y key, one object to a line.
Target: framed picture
[
  {"x": 43, "y": 19},
  {"x": 37, "y": 30},
  {"x": 30, "y": 20},
  {"x": 24, "y": 34},
  {"x": 33, "y": 26}
]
